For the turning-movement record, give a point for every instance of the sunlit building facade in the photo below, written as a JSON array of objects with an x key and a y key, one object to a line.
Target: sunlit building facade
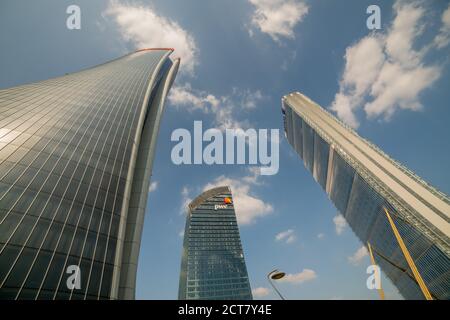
[
  {"x": 76, "y": 155},
  {"x": 213, "y": 266},
  {"x": 361, "y": 180}
]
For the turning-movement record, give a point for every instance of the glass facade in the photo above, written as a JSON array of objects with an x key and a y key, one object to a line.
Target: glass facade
[
  {"x": 213, "y": 265},
  {"x": 71, "y": 153},
  {"x": 321, "y": 154},
  {"x": 361, "y": 181}
]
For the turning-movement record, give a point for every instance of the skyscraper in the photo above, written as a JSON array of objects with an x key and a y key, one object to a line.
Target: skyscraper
[
  {"x": 212, "y": 264},
  {"x": 76, "y": 155},
  {"x": 361, "y": 181}
]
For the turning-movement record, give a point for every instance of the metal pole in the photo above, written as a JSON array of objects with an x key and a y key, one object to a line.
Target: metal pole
[
  {"x": 372, "y": 259},
  {"x": 273, "y": 286},
  {"x": 409, "y": 259}
]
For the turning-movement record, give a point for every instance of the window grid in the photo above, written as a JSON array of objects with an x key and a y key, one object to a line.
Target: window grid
[{"x": 43, "y": 138}]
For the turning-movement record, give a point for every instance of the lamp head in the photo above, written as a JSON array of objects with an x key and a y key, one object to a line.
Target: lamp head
[{"x": 277, "y": 275}]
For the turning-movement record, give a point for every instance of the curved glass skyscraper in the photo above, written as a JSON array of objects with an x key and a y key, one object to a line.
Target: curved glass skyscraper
[
  {"x": 76, "y": 155},
  {"x": 362, "y": 181},
  {"x": 212, "y": 265}
]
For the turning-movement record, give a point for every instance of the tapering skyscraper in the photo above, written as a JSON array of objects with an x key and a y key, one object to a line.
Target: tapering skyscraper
[
  {"x": 76, "y": 155},
  {"x": 212, "y": 264},
  {"x": 361, "y": 181}
]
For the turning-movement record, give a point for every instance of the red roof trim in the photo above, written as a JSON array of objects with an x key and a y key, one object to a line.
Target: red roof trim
[{"x": 152, "y": 49}]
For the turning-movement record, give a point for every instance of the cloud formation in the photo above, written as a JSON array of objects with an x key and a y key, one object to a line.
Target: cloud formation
[
  {"x": 442, "y": 39},
  {"x": 192, "y": 100},
  {"x": 339, "y": 223},
  {"x": 278, "y": 18},
  {"x": 358, "y": 256},
  {"x": 145, "y": 28},
  {"x": 249, "y": 207},
  {"x": 223, "y": 108},
  {"x": 153, "y": 186},
  {"x": 185, "y": 200},
  {"x": 287, "y": 236},
  {"x": 301, "y": 277},
  {"x": 260, "y": 292},
  {"x": 384, "y": 72}
]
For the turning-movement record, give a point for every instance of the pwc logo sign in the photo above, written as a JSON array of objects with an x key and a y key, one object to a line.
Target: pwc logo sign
[{"x": 226, "y": 202}]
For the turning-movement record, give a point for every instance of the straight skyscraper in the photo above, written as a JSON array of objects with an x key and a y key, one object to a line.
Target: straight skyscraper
[{"x": 213, "y": 266}]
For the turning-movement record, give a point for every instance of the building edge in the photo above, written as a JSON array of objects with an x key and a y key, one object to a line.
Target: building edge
[{"x": 128, "y": 242}]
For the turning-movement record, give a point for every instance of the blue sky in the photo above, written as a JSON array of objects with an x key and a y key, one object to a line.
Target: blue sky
[{"x": 238, "y": 59}]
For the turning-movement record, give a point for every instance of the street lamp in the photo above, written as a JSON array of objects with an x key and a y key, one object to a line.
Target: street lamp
[{"x": 276, "y": 275}]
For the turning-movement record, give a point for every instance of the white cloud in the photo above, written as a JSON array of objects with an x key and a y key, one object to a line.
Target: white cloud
[
  {"x": 321, "y": 236},
  {"x": 339, "y": 223},
  {"x": 253, "y": 178},
  {"x": 223, "y": 108},
  {"x": 248, "y": 206},
  {"x": 358, "y": 256},
  {"x": 185, "y": 96},
  {"x": 249, "y": 99},
  {"x": 287, "y": 236},
  {"x": 384, "y": 73},
  {"x": 398, "y": 87},
  {"x": 153, "y": 186},
  {"x": 301, "y": 277},
  {"x": 403, "y": 32},
  {"x": 363, "y": 63},
  {"x": 185, "y": 200},
  {"x": 181, "y": 233},
  {"x": 443, "y": 37},
  {"x": 144, "y": 28},
  {"x": 278, "y": 18},
  {"x": 260, "y": 292}
]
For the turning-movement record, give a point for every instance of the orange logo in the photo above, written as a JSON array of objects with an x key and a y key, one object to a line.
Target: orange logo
[{"x": 227, "y": 200}]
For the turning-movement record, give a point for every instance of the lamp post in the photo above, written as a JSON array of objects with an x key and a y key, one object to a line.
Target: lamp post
[{"x": 275, "y": 275}]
